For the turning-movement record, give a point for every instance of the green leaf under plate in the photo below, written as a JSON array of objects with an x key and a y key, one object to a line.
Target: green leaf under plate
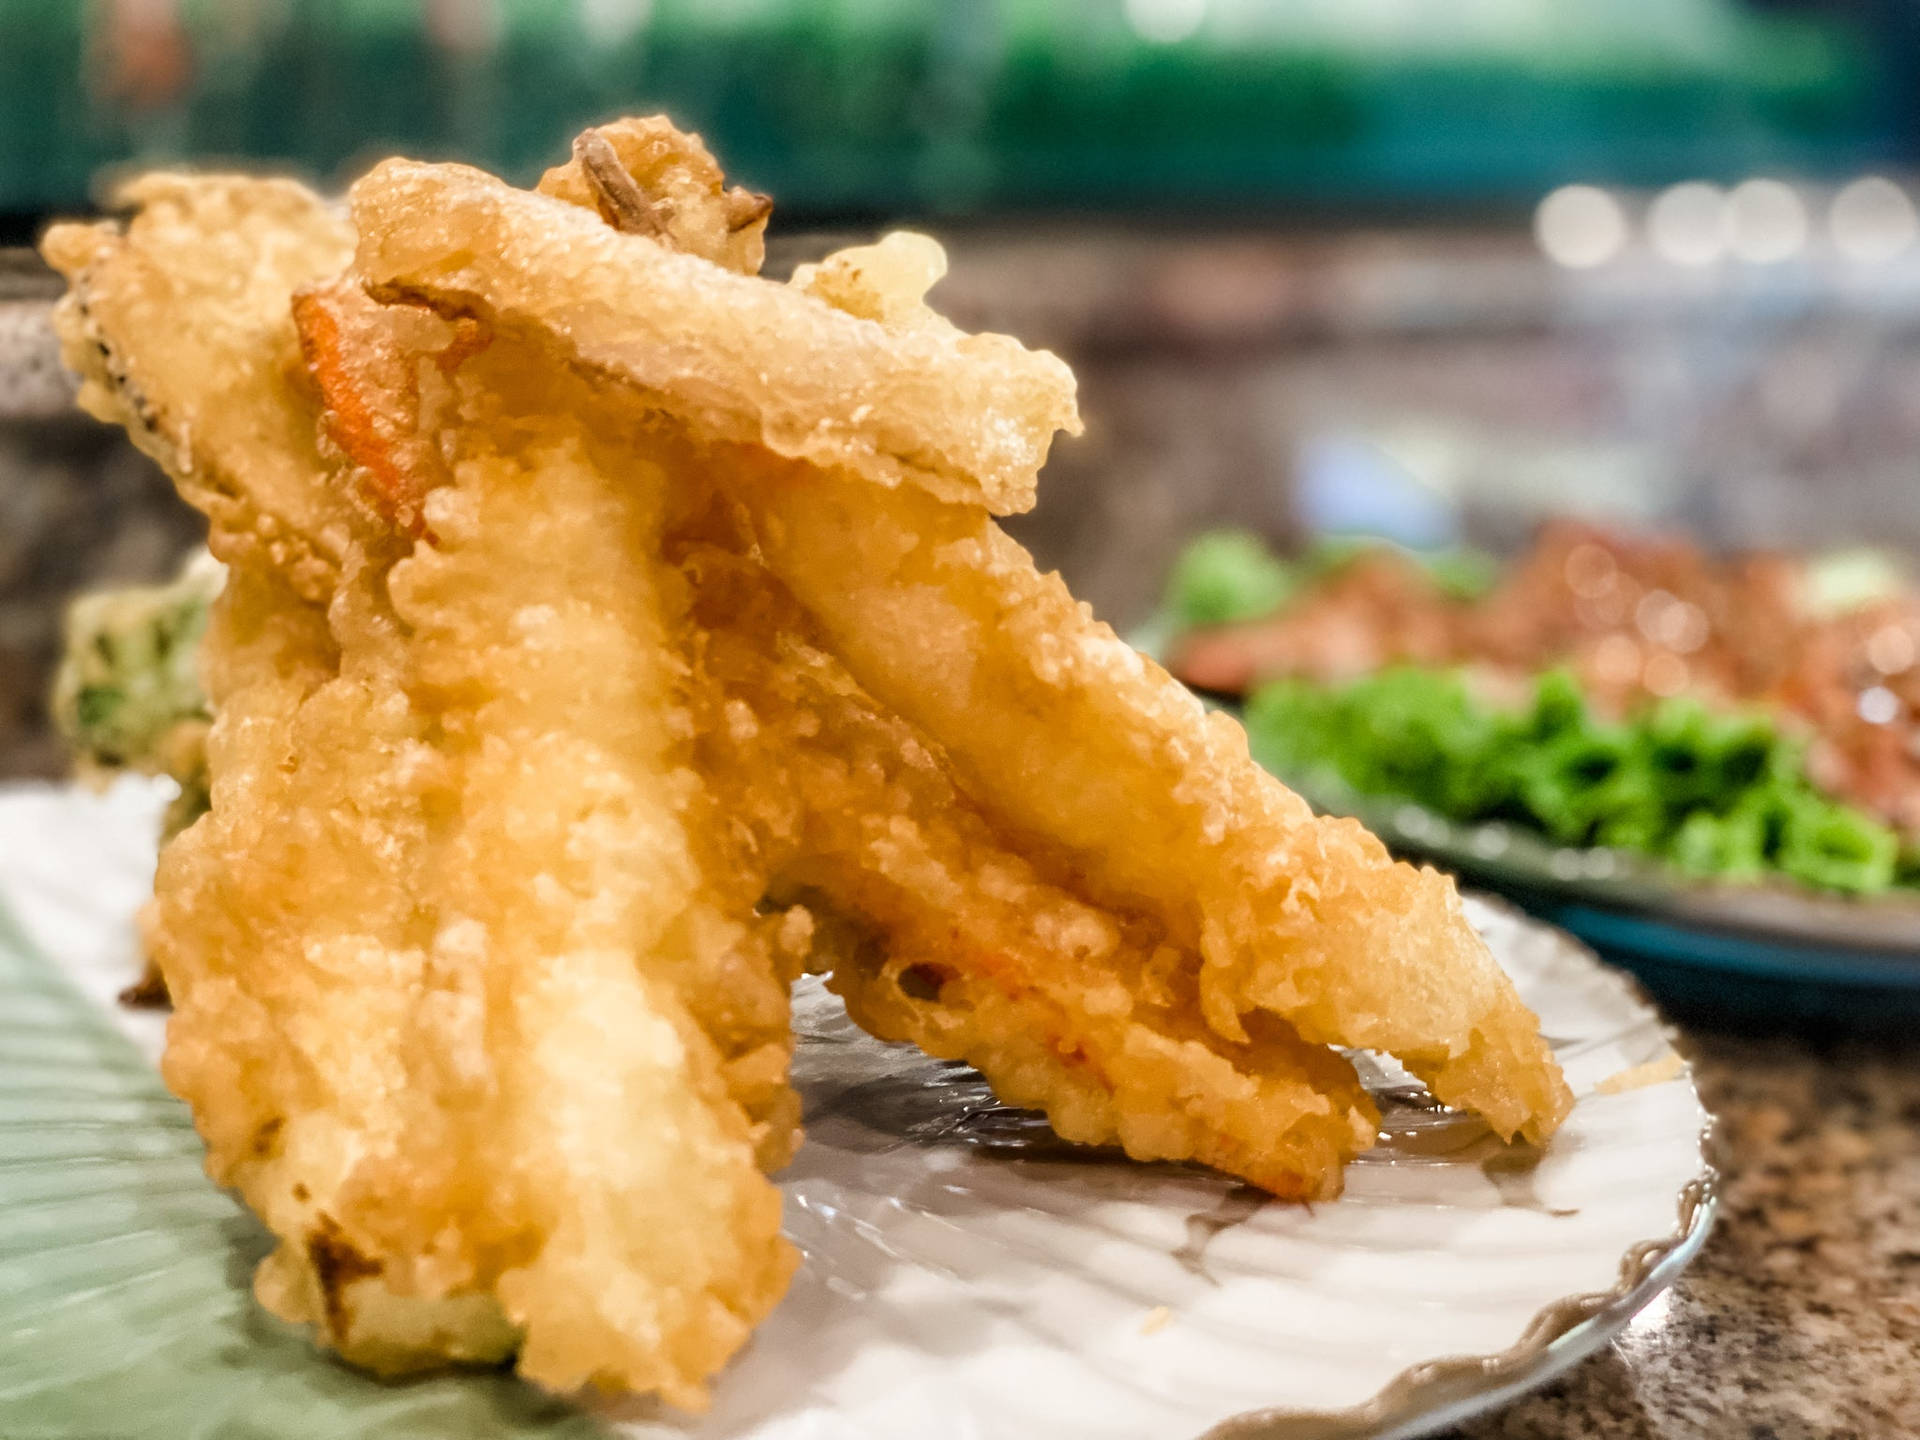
[{"x": 125, "y": 1300}]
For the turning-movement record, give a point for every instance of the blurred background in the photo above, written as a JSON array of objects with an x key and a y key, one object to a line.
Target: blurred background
[{"x": 1432, "y": 270}]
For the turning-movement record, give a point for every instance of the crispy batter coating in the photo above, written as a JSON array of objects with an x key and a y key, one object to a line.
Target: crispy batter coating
[
  {"x": 949, "y": 937},
  {"x": 1092, "y": 759},
  {"x": 177, "y": 326},
  {"x": 405, "y": 441},
  {"x": 939, "y": 933},
  {"x": 472, "y": 1001},
  {"x": 431, "y": 953},
  {"x": 730, "y": 356},
  {"x": 644, "y": 176},
  {"x": 353, "y": 350}
]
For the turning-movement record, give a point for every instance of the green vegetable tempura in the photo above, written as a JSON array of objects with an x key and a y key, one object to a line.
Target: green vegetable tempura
[{"x": 127, "y": 696}]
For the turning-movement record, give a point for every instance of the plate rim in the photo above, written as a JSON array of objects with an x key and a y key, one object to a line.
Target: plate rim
[
  {"x": 1432, "y": 1395},
  {"x": 1874, "y": 930}
]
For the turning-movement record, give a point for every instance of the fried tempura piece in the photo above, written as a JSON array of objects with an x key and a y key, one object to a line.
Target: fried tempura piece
[
  {"x": 960, "y": 945},
  {"x": 127, "y": 696},
  {"x": 177, "y": 326},
  {"x": 396, "y": 360},
  {"x": 645, "y": 177},
  {"x": 730, "y": 356},
  {"x": 429, "y": 954},
  {"x": 1092, "y": 759},
  {"x": 948, "y": 938},
  {"x": 402, "y": 390},
  {"x": 472, "y": 1003}
]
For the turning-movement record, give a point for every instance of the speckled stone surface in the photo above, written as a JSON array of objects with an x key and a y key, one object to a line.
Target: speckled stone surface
[{"x": 1801, "y": 1318}]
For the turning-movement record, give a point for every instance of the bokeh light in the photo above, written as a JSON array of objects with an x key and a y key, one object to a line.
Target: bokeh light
[
  {"x": 1687, "y": 224},
  {"x": 1766, "y": 222},
  {"x": 1872, "y": 219},
  {"x": 1580, "y": 226}
]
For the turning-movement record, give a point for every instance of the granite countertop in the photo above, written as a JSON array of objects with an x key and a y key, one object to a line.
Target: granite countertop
[{"x": 1801, "y": 1318}]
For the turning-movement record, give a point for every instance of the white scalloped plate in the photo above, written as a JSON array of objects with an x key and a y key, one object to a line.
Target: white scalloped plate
[{"x": 967, "y": 1277}]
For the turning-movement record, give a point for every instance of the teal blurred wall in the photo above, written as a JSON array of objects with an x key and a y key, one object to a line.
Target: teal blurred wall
[{"x": 915, "y": 106}]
